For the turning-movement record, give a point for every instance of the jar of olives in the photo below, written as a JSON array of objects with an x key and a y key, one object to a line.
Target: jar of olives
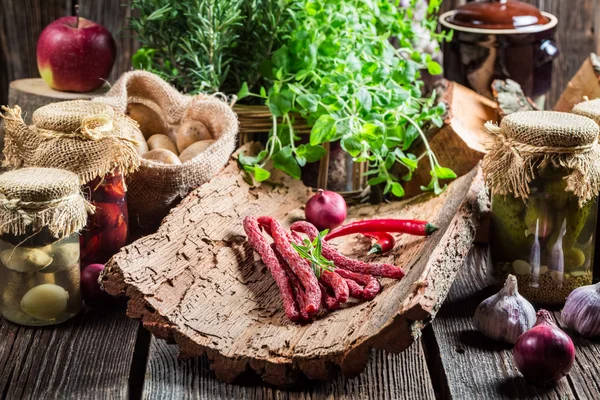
[
  {"x": 544, "y": 174},
  {"x": 42, "y": 211}
]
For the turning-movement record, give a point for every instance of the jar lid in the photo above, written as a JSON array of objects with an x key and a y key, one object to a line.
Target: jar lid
[
  {"x": 34, "y": 198},
  {"x": 590, "y": 109},
  {"x": 88, "y": 138},
  {"x": 502, "y": 15},
  {"x": 528, "y": 140}
]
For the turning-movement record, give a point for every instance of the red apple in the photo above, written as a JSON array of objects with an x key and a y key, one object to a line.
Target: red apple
[{"x": 75, "y": 54}]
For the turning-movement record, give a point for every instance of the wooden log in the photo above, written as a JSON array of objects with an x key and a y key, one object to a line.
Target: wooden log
[
  {"x": 31, "y": 94},
  {"x": 198, "y": 282},
  {"x": 510, "y": 98},
  {"x": 585, "y": 83},
  {"x": 461, "y": 142}
]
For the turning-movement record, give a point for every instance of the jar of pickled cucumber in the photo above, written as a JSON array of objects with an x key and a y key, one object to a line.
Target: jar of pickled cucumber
[
  {"x": 107, "y": 229},
  {"x": 544, "y": 175},
  {"x": 42, "y": 211},
  {"x": 591, "y": 109}
]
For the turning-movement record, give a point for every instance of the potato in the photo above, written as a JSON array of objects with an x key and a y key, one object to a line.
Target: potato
[
  {"x": 163, "y": 156},
  {"x": 141, "y": 146},
  {"x": 162, "y": 142},
  {"x": 150, "y": 122},
  {"x": 194, "y": 149},
  {"x": 191, "y": 132}
]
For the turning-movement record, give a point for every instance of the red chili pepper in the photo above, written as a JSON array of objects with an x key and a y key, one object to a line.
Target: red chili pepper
[
  {"x": 410, "y": 226},
  {"x": 384, "y": 242}
]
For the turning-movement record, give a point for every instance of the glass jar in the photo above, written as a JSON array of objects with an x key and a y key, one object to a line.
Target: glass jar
[
  {"x": 546, "y": 241},
  {"x": 108, "y": 228},
  {"x": 39, "y": 278}
]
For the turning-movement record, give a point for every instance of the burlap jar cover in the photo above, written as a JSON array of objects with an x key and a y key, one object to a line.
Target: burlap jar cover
[
  {"x": 87, "y": 138},
  {"x": 590, "y": 109},
  {"x": 36, "y": 198},
  {"x": 531, "y": 140},
  {"x": 155, "y": 187}
]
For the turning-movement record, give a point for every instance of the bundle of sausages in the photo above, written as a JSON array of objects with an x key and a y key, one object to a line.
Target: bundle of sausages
[{"x": 302, "y": 293}]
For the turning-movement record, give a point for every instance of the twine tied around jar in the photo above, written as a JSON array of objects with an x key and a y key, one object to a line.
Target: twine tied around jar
[
  {"x": 531, "y": 140},
  {"x": 36, "y": 198},
  {"x": 90, "y": 139}
]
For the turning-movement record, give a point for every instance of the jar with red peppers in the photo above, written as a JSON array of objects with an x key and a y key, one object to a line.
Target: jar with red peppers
[
  {"x": 96, "y": 142},
  {"x": 107, "y": 230}
]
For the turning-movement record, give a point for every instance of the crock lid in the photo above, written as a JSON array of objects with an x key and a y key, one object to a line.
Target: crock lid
[{"x": 497, "y": 15}]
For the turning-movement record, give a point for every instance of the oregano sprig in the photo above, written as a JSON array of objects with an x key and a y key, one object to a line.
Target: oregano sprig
[{"x": 338, "y": 69}]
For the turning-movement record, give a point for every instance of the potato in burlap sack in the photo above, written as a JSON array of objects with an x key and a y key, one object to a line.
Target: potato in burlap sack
[{"x": 156, "y": 187}]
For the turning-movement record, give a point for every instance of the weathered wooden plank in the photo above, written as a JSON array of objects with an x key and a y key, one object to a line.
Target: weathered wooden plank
[
  {"x": 21, "y": 23},
  {"x": 473, "y": 366},
  {"x": 114, "y": 15},
  {"x": 387, "y": 376},
  {"x": 89, "y": 357},
  {"x": 575, "y": 37}
]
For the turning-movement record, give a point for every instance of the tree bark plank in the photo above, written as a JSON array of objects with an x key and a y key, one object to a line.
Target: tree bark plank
[
  {"x": 387, "y": 377},
  {"x": 473, "y": 366},
  {"x": 198, "y": 282},
  {"x": 89, "y": 357}
]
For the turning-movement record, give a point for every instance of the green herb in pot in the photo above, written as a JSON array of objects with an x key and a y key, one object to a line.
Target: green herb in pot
[{"x": 338, "y": 69}]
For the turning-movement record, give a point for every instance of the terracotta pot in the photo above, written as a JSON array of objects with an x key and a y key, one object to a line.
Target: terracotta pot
[{"x": 500, "y": 40}]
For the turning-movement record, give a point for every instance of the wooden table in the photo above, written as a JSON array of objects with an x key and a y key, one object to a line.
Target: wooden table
[{"x": 104, "y": 354}]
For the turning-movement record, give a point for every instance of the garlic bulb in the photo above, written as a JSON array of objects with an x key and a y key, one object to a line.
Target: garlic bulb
[
  {"x": 582, "y": 310},
  {"x": 505, "y": 315}
]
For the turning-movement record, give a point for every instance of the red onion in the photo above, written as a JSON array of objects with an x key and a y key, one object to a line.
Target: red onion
[
  {"x": 326, "y": 210},
  {"x": 544, "y": 354},
  {"x": 93, "y": 295}
]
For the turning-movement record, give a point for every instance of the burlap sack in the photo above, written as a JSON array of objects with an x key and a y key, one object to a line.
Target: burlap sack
[
  {"x": 154, "y": 188},
  {"x": 34, "y": 198},
  {"x": 89, "y": 139},
  {"x": 528, "y": 140}
]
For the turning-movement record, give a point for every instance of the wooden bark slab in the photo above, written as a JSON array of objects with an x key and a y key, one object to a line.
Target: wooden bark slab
[
  {"x": 585, "y": 83},
  {"x": 196, "y": 280}
]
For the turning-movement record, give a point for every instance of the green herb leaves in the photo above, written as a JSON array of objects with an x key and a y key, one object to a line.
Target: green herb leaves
[
  {"x": 209, "y": 45},
  {"x": 338, "y": 69},
  {"x": 311, "y": 251}
]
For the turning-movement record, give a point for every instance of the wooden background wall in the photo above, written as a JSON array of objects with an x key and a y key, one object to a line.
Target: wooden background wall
[{"x": 21, "y": 22}]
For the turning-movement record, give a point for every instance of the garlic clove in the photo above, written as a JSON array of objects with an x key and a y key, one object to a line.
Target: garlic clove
[
  {"x": 505, "y": 315},
  {"x": 582, "y": 310},
  {"x": 521, "y": 267}
]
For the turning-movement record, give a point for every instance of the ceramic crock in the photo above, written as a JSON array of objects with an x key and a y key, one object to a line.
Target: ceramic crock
[{"x": 503, "y": 39}]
